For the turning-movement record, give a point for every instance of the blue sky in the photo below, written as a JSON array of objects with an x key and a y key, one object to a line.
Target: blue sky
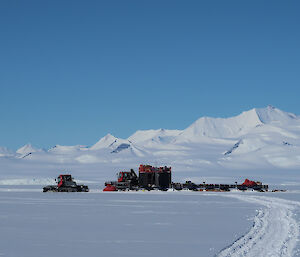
[{"x": 73, "y": 71}]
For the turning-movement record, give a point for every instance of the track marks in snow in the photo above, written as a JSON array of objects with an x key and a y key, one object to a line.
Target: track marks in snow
[{"x": 274, "y": 233}]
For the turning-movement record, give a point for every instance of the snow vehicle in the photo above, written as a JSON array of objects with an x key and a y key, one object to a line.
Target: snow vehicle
[
  {"x": 149, "y": 178},
  {"x": 65, "y": 183},
  {"x": 255, "y": 185},
  {"x": 126, "y": 181}
]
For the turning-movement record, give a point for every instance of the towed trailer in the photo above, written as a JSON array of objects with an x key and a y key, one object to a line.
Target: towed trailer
[{"x": 257, "y": 186}]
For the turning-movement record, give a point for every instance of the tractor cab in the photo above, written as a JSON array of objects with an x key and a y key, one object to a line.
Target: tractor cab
[
  {"x": 128, "y": 176},
  {"x": 65, "y": 180},
  {"x": 123, "y": 176},
  {"x": 65, "y": 183},
  {"x": 126, "y": 180}
]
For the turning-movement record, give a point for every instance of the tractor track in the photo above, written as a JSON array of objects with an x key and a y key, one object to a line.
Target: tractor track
[{"x": 274, "y": 232}]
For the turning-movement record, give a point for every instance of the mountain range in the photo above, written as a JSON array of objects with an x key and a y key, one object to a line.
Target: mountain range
[{"x": 266, "y": 137}]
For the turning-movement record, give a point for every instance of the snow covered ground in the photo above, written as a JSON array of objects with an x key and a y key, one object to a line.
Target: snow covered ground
[
  {"x": 119, "y": 224},
  {"x": 148, "y": 224},
  {"x": 275, "y": 231}
]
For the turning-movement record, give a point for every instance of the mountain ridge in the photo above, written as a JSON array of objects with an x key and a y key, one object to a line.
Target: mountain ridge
[{"x": 265, "y": 134}]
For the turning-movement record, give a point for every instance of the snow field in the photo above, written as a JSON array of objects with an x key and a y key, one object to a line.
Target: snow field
[
  {"x": 274, "y": 233},
  {"x": 35, "y": 224}
]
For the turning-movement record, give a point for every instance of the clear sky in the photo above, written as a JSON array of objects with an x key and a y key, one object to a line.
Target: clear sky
[{"x": 73, "y": 71}]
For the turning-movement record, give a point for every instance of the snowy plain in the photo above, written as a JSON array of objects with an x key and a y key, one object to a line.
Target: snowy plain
[
  {"x": 119, "y": 224},
  {"x": 148, "y": 223},
  {"x": 260, "y": 144}
]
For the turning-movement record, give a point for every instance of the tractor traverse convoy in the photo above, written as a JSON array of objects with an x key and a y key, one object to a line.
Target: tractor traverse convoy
[
  {"x": 160, "y": 178},
  {"x": 151, "y": 178}
]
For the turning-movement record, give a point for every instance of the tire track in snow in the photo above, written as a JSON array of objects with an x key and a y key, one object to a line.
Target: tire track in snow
[{"x": 274, "y": 233}]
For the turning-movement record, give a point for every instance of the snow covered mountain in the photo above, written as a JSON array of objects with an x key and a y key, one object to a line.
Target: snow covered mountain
[
  {"x": 27, "y": 149},
  {"x": 272, "y": 115},
  {"x": 221, "y": 127},
  {"x": 115, "y": 145},
  {"x": 157, "y": 136},
  {"x": 5, "y": 152},
  {"x": 267, "y": 136},
  {"x": 105, "y": 142},
  {"x": 238, "y": 126}
]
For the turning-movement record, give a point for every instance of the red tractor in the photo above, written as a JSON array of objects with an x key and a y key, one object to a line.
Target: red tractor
[
  {"x": 149, "y": 178},
  {"x": 65, "y": 183},
  {"x": 126, "y": 180}
]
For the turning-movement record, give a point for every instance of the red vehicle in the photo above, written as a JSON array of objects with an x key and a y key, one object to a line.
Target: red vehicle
[
  {"x": 249, "y": 183},
  {"x": 65, "y": 183},
  {"x": 149, "y": 178},
  {"x": 126, "y": 180}
]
